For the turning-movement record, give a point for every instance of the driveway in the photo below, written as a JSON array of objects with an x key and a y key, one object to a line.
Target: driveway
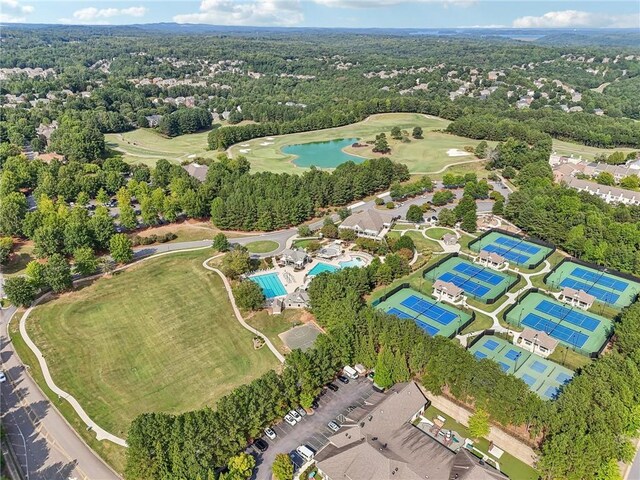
[{"x": 312, "y": 430}]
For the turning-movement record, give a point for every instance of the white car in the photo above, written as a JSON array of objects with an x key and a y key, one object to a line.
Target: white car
[
  {"x": 301, "y": 411},
  {"x": 333, "y": 426},
  {"x": 295, "y": 415},
  {"x": 3, "y": 377},
  {"x": 269, "y": 432},
  {"x": 290, "y": 420}
]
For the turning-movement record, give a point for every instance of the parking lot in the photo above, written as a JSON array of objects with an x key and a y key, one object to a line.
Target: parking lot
[{"x": 312, "y": 430}]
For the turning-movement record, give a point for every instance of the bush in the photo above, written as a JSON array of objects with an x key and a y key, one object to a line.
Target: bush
[
  {"x": 390, "y": 205},
  {"x": 20, "y": 291},
  {"x": 248, "y": 295},
  {"x": 379, "y": 202}
]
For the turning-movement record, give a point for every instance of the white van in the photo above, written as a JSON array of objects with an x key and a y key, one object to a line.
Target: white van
[
  {"x": 350, "y": 372},
  {"x": 305, "y": 452}
]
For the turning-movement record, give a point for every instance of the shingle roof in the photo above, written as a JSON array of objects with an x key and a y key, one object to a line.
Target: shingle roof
[
  {"x": 197, "y": 171},
  {"x": 539, "y": 337},
  {"x": 447, "y": 287},
  {"x": 371, "y": 220},
  {"x": 581, "y": 295},
  {"x": 492, "y": 257}
]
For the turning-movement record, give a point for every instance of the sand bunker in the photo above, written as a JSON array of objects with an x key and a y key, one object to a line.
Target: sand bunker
[
  {"x": 264, "y": 144},
  {"x": 455, "y": 152},
  {"x": 244, "y": 145},
  {"x": 193, "y": 155},
  {"x": 245, "y": 150},
  {"x": 269, "y": 138}
]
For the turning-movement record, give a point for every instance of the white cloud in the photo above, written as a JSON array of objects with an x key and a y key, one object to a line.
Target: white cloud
[
  {"x": 12, "y": 11},
  {"x": 246, "y": 12},
  {"x": 388, "y": 3},
  {"x": 577, "y": 19},
  {"x": 91, "y": 14}
]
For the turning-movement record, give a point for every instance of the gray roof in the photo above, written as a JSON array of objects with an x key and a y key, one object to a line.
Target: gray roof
[
  {"x": 448, "y": 287},
  {"x": 370, "y": 220},
  {"x": 467, "y": 466},
  {"x": 580, "y": 295},
  {"x": 299, "y": 296},
  {"x": 492, "y": 257},
  {"x": 197, "y": 171},
  {"x": 539, "y": 337},
  {"x": 603, "y": 190},
  {"x": 294, "y": 255},
  {"x": 383, "y": 445}
]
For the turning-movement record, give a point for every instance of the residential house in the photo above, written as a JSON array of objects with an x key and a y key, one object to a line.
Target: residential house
[
  {"x": 49, "y": 157},
  {"x": 447, "y": 292},
  {"x": 297, "y": 299},
  {"x": 153, "y": 120},
  {"x": 382, "y": 444},
  {"x": 577, "y": 298},
  {"x": 535, "y": 341},
  {"x": 606, "y": 193},
  {"x": 369, "y": 223}
]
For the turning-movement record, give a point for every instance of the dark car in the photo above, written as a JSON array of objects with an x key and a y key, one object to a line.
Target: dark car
[
  {"x": 343, "y": 379},
  {"x": 315, "y": 405},
  {"x": 333, "y": 387},
  {"x": 261, "y": 445},
  {"x": 296, "y": 459}
]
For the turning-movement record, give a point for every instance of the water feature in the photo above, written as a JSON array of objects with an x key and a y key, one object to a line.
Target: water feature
[
  {"x": 322, "y": 154},
  {"x": 354, "y": 262},
  {"x": 321, "y": 267}
]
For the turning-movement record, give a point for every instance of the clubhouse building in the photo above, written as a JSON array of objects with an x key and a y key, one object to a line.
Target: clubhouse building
[{"x": 369, "y": 223}]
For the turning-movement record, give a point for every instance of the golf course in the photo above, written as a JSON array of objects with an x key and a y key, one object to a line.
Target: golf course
[
  {"x": 431, "y": 154},
  {"x": 160, "y": 336}
]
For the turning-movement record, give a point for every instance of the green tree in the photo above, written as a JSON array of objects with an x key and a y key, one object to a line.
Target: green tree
[
  {"x": 396, "y": 133},
  {"x": 241, "y": 466},
  {"x": 605, "y": 178},
  {"x": 34, "y": 271},
  {"x": 13, "y": 208},
  {"x": 479, "y": 423},
  {"x": 469, "y": 222},
  {"x": 381, "y": 145},
  {"x": 329, "y": 231},
  {"x": 442, "y": 197},
  {"x": 509, "y": 172},
  {"x": 120, "y": 248},
  {"x": 236, "y": 262},
  {"x": 417, "y": 132},
  {"x": 632, "y": 182},
  {"x": 102, "y": 197},
  {"x": 6, "y": 246},
  {"x": 282, "y": 467},
  {"x": 102, "y": 227},
  {"x": 481, "y": 150},
  {"x": 248, "y": 295},
  {"x": 57, "y": 273},
  {"x": 304, "y": 231},
  {"x": 384, "y": 369},
  {"x": 85, "y": 261},
  {"x": 414, "y": 214},
  {"x": 221, "y": 243},
  {"x": 20, "y": 291},
  {"x": 447, "y": 218}
]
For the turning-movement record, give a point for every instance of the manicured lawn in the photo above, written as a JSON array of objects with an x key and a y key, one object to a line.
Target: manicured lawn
[
  {"x": 426, "y": 155},
  {"x": 274, "y": 325},
  {"x": 262, "y": 246},
  {"x": 510, "y": 465},
  {"x": 304, "y": 243},
  {"x": 160, "y": 336},
  {"x": 587, "y": 153},
  {"x": 570, "y": 359},
  {"x": 422, "y": 243},
  {"x": 437, "y": 233},
  {"x": 482, "y": 322}
]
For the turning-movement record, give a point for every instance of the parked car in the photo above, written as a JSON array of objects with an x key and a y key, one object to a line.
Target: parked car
[
  {"x": 343, "y": 379},
  {"x": 3, "y": 377},
  {"x": 269, "y": 432},
  {"x": 333, "y": 426},
  {"x": 295, "y": 415},
  {"x": 290, "y": 420},
  {"x": 315, "y": 405},
  {"x": 322, "y": 392},
  {"x": 261, "y": 445},
  {"x": 301, "y": 411},
  {"x": 305, "y": 452},
  {"x": 297, "y": 460},
  {"x": 370, "y": 375},
  {"x": 333, "y": 387}
]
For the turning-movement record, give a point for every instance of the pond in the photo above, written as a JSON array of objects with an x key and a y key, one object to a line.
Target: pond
[{"x": 322, "y": 154}]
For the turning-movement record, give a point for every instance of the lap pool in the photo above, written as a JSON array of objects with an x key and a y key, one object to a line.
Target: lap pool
[{"x": 270, "y": 284}]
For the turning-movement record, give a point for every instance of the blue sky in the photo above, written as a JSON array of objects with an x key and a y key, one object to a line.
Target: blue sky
[{"x": 332, "y": 13}]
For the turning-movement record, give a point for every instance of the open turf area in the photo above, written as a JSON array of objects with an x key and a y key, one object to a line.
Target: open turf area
[
  {"x": 433, "y": 317},
  {"x": 516, "y": 250},
  {"x": 160, "y": 336},
  {"x": 426, "y": 155},
  {"x": 481, "y": 283},
  {"x": 543, "y": 377},
  {"x": 587, "y": 153},
  {"x": 608, "y": 288},
  {"x": 582, "y": 331}
]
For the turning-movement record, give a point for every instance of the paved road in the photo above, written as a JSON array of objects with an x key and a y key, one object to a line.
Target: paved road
[
  {"x": 634, "y": 473},
  {"x": 46, "y": 446},
  {"x": 312, "y": 430}
]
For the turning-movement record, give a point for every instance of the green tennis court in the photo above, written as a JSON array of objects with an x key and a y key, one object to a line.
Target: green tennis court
[
  {"x": 482, "y": 283},
  {"x": 608, "y": 288},
  {"x": 543, "y": 376},
  {"x": 514, "y": 249},
  {"x": 582, "y": 331},
  {"x": 433, "y": 317}
]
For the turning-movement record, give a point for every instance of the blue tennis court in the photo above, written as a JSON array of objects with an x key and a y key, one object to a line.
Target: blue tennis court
[
  {"x": 563, "y": 378},
  {"x": 572, "y": 316},
  {"x": 512, "y": 354},
  {"x": 480, "y": 355},
  {"x": 538, "y": 366},
  {"x": 490, "y": 344},
  {"x": 398, "y": 313},
  {"x": 551, "y": 392},
  {"x": 560, "y": 332},
  {"x": 599, "y": 293},
  {"x": 599, "y": 278},
  {"x": 429, "y": 309},
  {"x": 465, "y": 284},
  {"x": 520, "y": 245},
  {"x": 528, "y": 379},
  {"x": 479, "y": 273},
  {"x": 508, "y": 254},
  {"x": 430, "y": 329}
]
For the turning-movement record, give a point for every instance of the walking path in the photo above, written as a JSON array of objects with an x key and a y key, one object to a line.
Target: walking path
[{"x": 227, "y": 286}]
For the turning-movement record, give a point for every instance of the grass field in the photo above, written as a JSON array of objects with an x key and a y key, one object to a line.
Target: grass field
[
  {"x": 262, "y": 246},
  {"x": 160, "y": 336},
  {"x": 587, "y": 153}
]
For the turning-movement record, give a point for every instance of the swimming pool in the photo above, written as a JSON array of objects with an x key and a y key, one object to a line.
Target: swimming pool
[
  {"x": 354, "y": 262},
  {"x": 270, "y": 284},
  {"x": 321, "y": 268}
]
